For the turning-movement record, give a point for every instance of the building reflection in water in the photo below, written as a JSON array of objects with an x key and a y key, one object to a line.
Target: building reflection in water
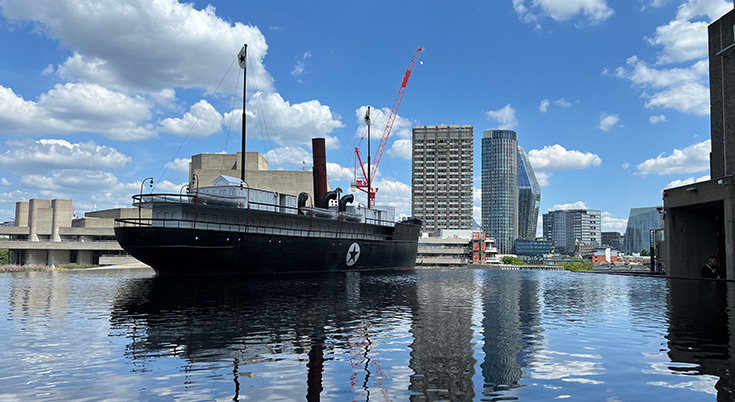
[
  {"x": 700, "y": 341},
  {"x": 441, "y": 353},
  {"x": 511, "y": 330}
]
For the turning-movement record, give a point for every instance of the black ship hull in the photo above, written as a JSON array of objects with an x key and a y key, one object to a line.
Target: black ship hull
[{"x": 185, "y": 251}]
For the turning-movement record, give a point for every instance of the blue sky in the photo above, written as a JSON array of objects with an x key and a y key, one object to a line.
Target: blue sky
[{"x": 610, "y": 98}]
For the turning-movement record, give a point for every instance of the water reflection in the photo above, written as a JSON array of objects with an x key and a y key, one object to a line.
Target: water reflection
[
  {"x": 701, "y": 320},
  {"x": 422, "y": 336}
]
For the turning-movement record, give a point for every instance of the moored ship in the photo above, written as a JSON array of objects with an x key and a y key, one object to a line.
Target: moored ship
[{"x": 230, "y": 228}]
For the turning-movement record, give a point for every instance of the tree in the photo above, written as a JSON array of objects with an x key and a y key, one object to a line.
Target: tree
[
  {"x": 4, "y": 257},
  {"x": 508, "y": 260},
  {"x": 645, "y": 252}
]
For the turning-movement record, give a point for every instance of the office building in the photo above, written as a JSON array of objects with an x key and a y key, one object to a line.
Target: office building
[
  {"x": 455, "y": 249},
  {"x": 529, "y": 197},
  {"x": 532, "y": 248},
  {"x": 614, "y": 240},
  {"x": 570, "y": 229},
  {"x": 500, "y": 187},
  {"x": 441, "y": 180},
  {"x": 638, "y": 232}
]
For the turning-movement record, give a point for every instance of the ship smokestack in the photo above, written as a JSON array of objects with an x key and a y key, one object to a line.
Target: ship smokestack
[{"x": 320, "y": 170}]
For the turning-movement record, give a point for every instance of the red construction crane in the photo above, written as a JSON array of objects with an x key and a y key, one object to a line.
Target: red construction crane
[{"x": 364, "y": 184}]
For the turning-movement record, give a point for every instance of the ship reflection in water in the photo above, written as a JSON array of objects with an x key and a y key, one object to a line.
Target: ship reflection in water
[
  {"x": 437, "y": 335},
  {"x": 426, "y": 335}
]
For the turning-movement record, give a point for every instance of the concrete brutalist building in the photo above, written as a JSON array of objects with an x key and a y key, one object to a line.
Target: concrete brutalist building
[
  {"x": 209, "y": 167},
  {"x": 441, "y": 180},
  {"x": 45, "y": 233},
  {"x": 699, "y": 219}
]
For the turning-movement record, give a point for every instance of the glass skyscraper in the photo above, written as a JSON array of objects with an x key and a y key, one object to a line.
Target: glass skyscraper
[
  {"x": 529, "y": 197},
  {"x": 638, "y": 232},
  {"x": 500, "y": 187}
]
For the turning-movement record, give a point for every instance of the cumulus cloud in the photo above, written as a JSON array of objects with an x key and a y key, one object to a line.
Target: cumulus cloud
[
  {"x": 271, "y": 117},
  {"x": 379, "y": 118},
  {"x": 681, "y": 41},
  {"x": 505, "y": 116},
  {"x": 76, "y": 108},
  {"x": 612, "y": 224},
  {"x": 569, "y": 206},
  {"x": 688, "y": 98},
  {"x": 173, "y": 44},
  {"x": 201, "y": 121},
  {"x": 4, "y": 181},
  {"x": 687, "y": 181},
  {"x": 625, "y": 165},
  {"x": 26, "y": 156},
  {"x": 288, "y": 157},
  {"x": 180, "y": 165},
  {"x": 692, "y": 159},
  {"x": 395, "y": 194},
  {"x": 657, "y": 119},
  {"x": 556, "y": 157},
  {"x": 594, "y": 11},
  {"x": 608, "y": 121},
  {"x": 542, "y": 178},
  {"x": 337, "y": 172},
  {"x": 401, "y": 149}
]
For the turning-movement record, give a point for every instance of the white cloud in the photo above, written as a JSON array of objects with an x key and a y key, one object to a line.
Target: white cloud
[
  {"x": 712, "y": 9},
  {"x": 593, "y": 10},
  {"x": 4, "y": 181},
  {"x": 692, "y": 159},
  {"x": 477, "y": 214},
  {"x": 681, "y": 41},
  {"x": 179, "y": 165},
  {"x": 569, "y": 206},
  {"x": 201, "y": 121},
  {"x": 76, "y": 108},
  {"x": 401, "y": 149},
  {"x": 14, "y": 196},
  {"x": 395, "y": 194},
  {"x": 505, "y": 116},
  {"x": 562, "y": 102},
  {"x": 542, "y": 178},
  {"x": 337, "y": 172},
  {"x": 688, "y": 98},
  {"x": 289, "y": 157},
  {"x": 625, "y": 165},
  {"x": 657, "y": 119},
  {"x": 29, "y": 156},
  {"x": 477, "y": 195},
  {"x": 687, "y": 181},
  {"x": 556, "y": 157},
  {"x": 298, "y": 69},
  {"x": 172, "y": 44},
  {"x": 270, "y": 117},
  {"x": 379, "y": 117},
  {"x": 612, "y": 224},
  {"x": 608, "y": 121},
  {"x": 543, "y": 107}
]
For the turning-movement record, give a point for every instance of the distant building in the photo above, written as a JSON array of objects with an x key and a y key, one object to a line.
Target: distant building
[
  {"x": 699, "y": 217},
  {"x": 604, "y": 255},
  {"x": 46, "y": 234},
  {"x": 455, "y": 249},
  {"x": 208, "y": 167},
  {"x": 614, "y": 240},
  {"x": 441, "y": 176},
  {"x": 532, "y": 248},
  {"x": 571, "y": 229},
  {"x": 500, "y": 187},
  {"x": 638, "y": 233},
  {"x": 529, "y": 197}
]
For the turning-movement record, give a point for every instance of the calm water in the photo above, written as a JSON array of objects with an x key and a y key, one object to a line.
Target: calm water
[{"x": 419, "y": 336}]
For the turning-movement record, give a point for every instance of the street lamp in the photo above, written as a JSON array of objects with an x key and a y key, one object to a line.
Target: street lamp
[{"x": 140, "y": 200}]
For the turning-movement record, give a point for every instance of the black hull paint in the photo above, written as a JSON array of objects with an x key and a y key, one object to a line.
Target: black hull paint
[{"x": 196, "y": 251}]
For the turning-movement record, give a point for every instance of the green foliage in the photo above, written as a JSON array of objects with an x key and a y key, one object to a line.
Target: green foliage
[
  {"x": 645, "y": 252},
  {"x": 4, "y": 255},
  {"x": 508, "y": 260},
  {"x": 74, "y": 266},
  {"x": 578, "y": 264}
]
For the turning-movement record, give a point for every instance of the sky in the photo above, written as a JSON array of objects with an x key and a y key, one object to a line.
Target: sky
[{"x": 609, "y": 98}]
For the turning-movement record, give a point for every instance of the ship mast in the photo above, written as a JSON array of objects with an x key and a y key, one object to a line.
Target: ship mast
[{"x": 242, "y": 60}]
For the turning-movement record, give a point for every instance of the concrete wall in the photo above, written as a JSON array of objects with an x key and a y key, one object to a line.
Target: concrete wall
[
  {"x": 61, "y": 211},
  {"x": 208, "y": 167},
  {"x": 119, "y": 213},
  {"x": 21, "y": 213},
  {"x": 722, "y": 95}
]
